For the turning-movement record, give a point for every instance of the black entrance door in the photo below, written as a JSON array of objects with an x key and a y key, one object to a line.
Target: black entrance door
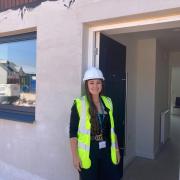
[{"x": 112, "y": 62}]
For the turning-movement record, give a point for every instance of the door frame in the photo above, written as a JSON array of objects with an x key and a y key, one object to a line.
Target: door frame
[
  {"x": 143, "y": 22},
  {"x": 165, "y": 19},
  {"x": 96, "y": 64}
]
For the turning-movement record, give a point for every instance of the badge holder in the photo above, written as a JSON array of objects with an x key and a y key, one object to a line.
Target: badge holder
[{"x": 102, "y": 144}]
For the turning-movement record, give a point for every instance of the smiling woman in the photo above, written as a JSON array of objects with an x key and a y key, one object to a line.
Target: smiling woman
[
  {"x": 18, "y": 77},
  {"x": 93, "y": 139}
]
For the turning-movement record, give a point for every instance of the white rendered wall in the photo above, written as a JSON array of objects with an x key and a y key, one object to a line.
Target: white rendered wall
[
  {"x": 42, "y": 149},
  {"x": 105, "y": 9}
]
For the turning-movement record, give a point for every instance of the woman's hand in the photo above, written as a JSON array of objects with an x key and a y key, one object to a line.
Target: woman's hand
[
  {"x": 77, "y": 162},
  {"x": 118, "y": 155},
  {"x": 117, "y": 150},
  {"x": 76, "y": 159}
]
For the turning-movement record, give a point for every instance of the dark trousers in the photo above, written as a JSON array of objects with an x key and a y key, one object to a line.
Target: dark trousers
[{"x": 102, "y": 167}]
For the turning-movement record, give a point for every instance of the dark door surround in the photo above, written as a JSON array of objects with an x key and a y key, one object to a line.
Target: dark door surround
[{"x": 112, "y": 62}]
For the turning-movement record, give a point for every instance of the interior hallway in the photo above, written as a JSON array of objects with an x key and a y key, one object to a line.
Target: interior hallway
[{"x": 166, "y": 165}]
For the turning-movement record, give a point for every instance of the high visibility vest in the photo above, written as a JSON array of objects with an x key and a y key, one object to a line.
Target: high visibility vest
[{"x": 84, "y": 130}]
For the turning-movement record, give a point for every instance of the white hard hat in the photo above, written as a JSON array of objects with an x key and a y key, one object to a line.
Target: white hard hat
[{"x": 93, "y": 73}]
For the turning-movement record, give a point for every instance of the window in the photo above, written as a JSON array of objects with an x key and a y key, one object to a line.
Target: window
[{"x": 18, "y": 77}]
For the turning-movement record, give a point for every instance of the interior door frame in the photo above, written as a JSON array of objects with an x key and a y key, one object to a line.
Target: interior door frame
[
  {"x": 143, "y": 22},
  {"x": 96, "y": 64}
]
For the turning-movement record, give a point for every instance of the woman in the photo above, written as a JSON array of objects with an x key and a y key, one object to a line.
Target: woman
[{"x": 93, "y": 141}]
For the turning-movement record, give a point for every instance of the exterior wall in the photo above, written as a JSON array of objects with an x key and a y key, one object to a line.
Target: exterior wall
[
  {"x": 145, "y": 97},
  {"x": 105, "y": 9},
  {"x": 161, "y": 91},
  {"x": 42, "y": 148}
]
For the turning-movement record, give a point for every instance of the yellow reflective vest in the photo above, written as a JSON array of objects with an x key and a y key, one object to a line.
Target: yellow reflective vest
[{"x": 84, "y": 129}]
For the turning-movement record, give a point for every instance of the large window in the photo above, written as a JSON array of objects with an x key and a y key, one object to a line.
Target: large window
[{"x": 18, "y": 77}]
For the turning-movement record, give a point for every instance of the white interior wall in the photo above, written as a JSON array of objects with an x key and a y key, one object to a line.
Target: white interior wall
[
  {"x": 161, "y": 91},
  {"x": 174, "y": 59},
  {"x": 175, "y": 77},
  {"x": 140, "y": 66},
  {"x": 175, "y": 83},
  {"x": 145, "y": 97}
]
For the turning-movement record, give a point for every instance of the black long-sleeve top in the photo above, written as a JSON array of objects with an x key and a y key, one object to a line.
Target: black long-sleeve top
[{"x": 74, "y": 122}]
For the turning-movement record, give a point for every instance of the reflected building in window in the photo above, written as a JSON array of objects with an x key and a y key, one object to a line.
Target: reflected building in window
[{"x": 18, "y": 77}]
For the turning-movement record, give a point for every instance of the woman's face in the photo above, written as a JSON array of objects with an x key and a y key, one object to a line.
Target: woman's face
[{"x": 94, "y": 86}]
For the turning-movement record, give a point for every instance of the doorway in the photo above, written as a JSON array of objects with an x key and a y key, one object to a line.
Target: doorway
[
  {"x": 128, "y": 37},
  {"x": 112, "y": 62}
]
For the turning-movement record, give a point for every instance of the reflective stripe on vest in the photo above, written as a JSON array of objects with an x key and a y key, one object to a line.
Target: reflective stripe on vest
[
  {"x": 83, "y": 146},
  {"x": 84, "y": 132}
]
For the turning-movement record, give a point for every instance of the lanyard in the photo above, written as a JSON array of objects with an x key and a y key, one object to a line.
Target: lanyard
[{"x": 101, "y": 116}]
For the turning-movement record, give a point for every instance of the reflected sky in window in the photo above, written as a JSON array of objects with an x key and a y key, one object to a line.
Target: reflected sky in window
[{"x": 22, "y": 53}]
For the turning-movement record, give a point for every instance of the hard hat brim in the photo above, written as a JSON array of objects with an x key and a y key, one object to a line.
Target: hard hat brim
[{"x": 90, "y": 78}]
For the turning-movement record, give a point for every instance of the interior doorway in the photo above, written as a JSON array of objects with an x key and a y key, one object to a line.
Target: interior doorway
[
  {"x": 112, "y": 62},
  {"x": 167, "y": 39}
]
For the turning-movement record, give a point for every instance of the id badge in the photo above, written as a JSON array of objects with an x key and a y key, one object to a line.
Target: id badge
[{"x": 102, "y": 144}]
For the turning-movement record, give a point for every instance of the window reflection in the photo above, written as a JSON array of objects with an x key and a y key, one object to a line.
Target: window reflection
[{"x": 18, "y": 79}]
